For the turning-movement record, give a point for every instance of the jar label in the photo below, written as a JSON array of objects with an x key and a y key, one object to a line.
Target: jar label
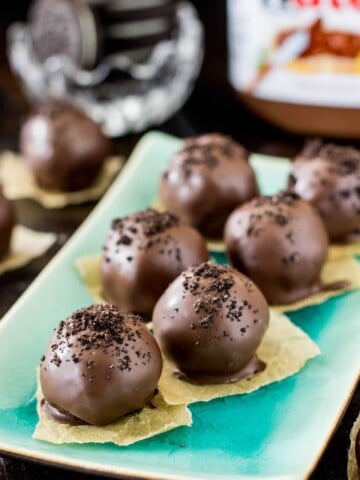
[{"x": 296, "y": 51}]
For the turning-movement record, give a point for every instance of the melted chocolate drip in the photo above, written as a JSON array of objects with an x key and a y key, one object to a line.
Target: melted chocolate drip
[
  {"x": 254, "y": 366},
  {"x": 59, "y": 415}
]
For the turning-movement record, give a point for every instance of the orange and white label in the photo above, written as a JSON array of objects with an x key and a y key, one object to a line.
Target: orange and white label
[{"x": 296, "y": 51}]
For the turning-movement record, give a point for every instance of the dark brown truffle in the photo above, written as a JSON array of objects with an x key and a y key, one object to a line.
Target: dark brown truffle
[
  {"x": 206, "y": 180},
  {"x": 63, "y": 148},
  {"x": 143, "y": 253},
  {"x": 100, "y": 365},
  {"x": 209, "y": 322},
  {"x": 7, "y": 223},
  {"x": 328, "y": 176},
  {"x": 281, "y": 243}
]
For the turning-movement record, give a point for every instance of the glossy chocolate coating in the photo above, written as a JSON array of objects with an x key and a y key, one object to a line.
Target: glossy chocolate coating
[
  {"x": 206, "y": 181},
  {"x": 7, "y": 223},
  {"x": 209, "y": 322},
  {"x": 281, "y": 243},
  {"x": 100, "y": 365},
  {"x": 63, "y": 147},
  {"x": 143, "y": 254},
  {"x": 328, "y": 176}
]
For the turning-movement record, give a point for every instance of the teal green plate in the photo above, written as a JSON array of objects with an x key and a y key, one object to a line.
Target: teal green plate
[{"x": 277, "y": 432}]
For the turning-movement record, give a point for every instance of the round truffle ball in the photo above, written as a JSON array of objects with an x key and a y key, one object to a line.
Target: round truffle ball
[
  {"x": 143, "y": 253},
  {"x": 209, "y": 322},
  {"x": 281, "y": 243},
  {"x": 328, "y": 176},
  {"x": 7, "y": 223},
  {"x": 206, "y": 180},
  {"x": 100, "y": 364},
  {"x": 63, "y": 148}
]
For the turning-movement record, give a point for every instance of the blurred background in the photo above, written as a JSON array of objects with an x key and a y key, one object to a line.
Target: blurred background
[
  {"x": 211, "y": 106},
  {"x": 212, "y": 77}
]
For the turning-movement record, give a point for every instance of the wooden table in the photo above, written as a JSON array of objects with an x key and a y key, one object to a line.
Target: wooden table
[{"x": 211, "y": 108}]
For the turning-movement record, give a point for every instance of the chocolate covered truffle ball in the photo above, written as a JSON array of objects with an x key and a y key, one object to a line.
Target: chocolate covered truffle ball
[
  {"x": 7, "y": 223},
  {"x": 143, "y": 253},
  {"x": 328, "y": 176},
  {"x": 206, "y": 180},
  {"x": 63, "y": 148},
  {"x": 209, "y": 322},
  {"x": 281, "y": 243},
  {"x": 100, "y": 364}
]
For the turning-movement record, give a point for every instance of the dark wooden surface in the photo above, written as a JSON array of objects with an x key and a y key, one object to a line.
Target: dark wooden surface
[{"x": 211, "y": 108}]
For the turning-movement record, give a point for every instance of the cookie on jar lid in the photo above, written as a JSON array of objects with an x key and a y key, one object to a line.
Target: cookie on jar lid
[{"x": 93, "y": 31}]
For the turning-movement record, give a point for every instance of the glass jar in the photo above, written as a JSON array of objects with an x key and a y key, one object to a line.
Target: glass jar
[
  {"x": 296, "y": 63},
  {"x": 127, "y": 64}
]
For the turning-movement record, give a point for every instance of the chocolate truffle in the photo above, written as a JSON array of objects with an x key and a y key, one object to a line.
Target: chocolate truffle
[
  {"x": 7, "y": 223},
  {"x": 328, "y": 176},
  {"x": 281, "y": 243},
  {"x": 206, "y": 180},
  {"x": 209, "y": 322},
  {"x": 100, "y": 364},
  {"x": 143, "y": 253},
  {"x": 63, "y": 148}
]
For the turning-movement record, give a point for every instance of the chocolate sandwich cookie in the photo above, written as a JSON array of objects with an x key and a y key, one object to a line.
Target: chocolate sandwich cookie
[
  {"x": 209, "y": 322},
  {"x": 63, "y": 148},
  {"x": 328, "y": 176},
  {"x": 89, "y": 32},
  {"x": 206, "y": 180},
  {"x": 100, "y": 365},
  {"x": 281, "y": 243},
  {"x": 7, "y": 223},
  {"x": 143, "y": 254},
  {"x": 65, "y": 27}
]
